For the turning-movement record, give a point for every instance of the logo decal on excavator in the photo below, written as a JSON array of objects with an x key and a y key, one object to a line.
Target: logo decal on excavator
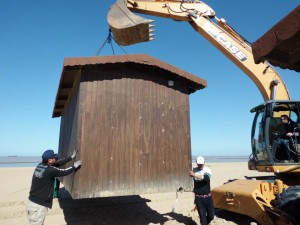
[{"x": 227, "y": 44}]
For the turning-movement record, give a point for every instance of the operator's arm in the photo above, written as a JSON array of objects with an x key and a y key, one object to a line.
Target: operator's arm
[{"x": 291, "y": 129}]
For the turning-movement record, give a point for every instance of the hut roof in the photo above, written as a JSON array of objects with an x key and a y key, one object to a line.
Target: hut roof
[
  {"x": 280, "y": 45},
  {"x": 67, "y": 79}
]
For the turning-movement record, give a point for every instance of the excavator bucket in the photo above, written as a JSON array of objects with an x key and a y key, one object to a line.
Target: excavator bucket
[{"x": 128, "y": 28}]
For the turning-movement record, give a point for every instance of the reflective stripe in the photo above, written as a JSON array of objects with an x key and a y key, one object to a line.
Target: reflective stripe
[{"x": 203, "y": 196}]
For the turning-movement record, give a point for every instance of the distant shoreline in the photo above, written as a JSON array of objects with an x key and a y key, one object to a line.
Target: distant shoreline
[
  {"x": 220, "y": 159},
  {"x": 16, "y": 162},
  {"x": 32, "y": 161},
  {"x": 19, "y": 161}
]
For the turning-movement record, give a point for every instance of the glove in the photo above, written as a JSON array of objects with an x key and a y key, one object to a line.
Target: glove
[
  {"x": 77, "y": 164},
  {"x": 74, "y": 153}
]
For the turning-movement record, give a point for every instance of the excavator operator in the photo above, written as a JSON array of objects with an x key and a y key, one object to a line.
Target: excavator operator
[{"x": 288, "y": 140}]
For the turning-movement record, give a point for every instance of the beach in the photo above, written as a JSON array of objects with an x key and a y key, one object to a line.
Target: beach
[{"x": 159, "y": 208}]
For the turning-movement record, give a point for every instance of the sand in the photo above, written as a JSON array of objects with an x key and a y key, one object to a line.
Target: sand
[{"x": 159, "y": 208}]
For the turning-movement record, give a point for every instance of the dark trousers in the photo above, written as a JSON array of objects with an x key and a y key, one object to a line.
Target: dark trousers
[
  {"x": 290, "y": 152},
  {"x": 206, "y": 210}
]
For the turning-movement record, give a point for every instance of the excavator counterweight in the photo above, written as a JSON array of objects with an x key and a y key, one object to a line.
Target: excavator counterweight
[{"x": 127, "y": 27}]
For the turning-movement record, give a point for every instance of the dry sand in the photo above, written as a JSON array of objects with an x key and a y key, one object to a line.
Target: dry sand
[{"x": 161, "y": 208}]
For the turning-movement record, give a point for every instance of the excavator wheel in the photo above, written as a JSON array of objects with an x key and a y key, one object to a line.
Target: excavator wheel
[{"x": 289, "y": 202}]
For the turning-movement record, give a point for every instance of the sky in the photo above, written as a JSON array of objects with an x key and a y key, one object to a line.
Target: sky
[{"x": 37, "y": 35}]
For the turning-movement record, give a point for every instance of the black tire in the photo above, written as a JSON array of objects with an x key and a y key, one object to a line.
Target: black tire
[{"x": 289, "y": 201}]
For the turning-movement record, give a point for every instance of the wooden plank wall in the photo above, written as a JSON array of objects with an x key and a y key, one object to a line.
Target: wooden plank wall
[
  {"x": 69, "y": 138},
  {"x": 135, "y": 132}
]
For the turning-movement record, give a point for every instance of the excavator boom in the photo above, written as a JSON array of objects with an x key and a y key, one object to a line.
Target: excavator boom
[{"x": 129, "y": 28}]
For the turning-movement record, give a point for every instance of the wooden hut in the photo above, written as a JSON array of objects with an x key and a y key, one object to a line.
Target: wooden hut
[{"x": 128, "y": 115}]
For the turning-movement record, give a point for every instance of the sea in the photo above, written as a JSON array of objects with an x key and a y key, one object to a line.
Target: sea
[{"x": 32, "y": 161}]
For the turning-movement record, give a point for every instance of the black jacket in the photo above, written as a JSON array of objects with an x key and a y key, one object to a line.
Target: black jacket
[
  {"x": 289, "y": 127},
  {"x": 42, "y": 184}
]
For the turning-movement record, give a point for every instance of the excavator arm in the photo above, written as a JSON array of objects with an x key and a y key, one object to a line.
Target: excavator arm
[{"x": 129, "y": 28}]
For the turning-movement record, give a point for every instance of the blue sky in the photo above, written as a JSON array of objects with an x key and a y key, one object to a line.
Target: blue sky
[{"x": 36, "y": 36}]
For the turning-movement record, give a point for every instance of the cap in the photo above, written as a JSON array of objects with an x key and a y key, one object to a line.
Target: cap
[
  {"x": 200, "y": 160},
  {"x": 49, "y": 154}
]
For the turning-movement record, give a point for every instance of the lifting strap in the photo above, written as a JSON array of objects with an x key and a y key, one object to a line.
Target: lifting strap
[{"x": 109, "y": 41}]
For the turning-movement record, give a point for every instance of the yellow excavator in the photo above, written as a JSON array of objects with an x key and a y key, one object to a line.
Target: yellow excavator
[{"x": 268, "y": 200}]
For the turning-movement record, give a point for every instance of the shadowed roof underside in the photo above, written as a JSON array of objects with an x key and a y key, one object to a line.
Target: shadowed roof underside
[{"x": 281, "y": 44}]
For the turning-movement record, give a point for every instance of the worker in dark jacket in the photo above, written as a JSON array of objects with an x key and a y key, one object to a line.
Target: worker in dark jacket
[
  {"x": 203, "y": 199},
  {"x": 287, "y": 140},
  {"x": 41, "y": 192}
]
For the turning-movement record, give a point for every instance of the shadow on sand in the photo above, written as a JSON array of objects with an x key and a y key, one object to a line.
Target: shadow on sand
[
  {"x": 123, "y": 210},
  {"x": 234, "y": 217}
]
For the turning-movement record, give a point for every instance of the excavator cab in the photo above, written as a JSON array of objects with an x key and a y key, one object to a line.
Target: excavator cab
[{"x": 268, "y": 130}]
